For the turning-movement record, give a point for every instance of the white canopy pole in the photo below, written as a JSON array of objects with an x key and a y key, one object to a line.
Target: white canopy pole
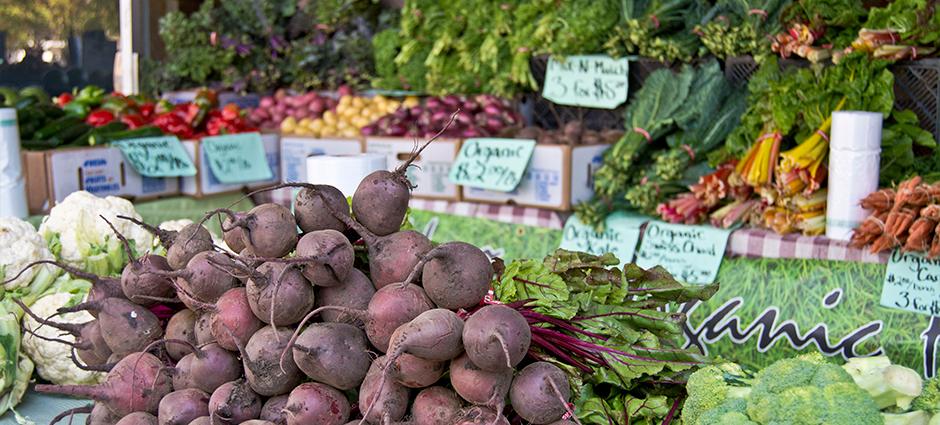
[{"x": 128, "y": 56}]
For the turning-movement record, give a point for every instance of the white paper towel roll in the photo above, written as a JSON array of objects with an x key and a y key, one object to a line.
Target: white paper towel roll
[
  {"x": 12, "y": 185},
  {"x": 852, "y": 176},
  {"x": 856, "y": 131},
  {"x": 343, "y": 171}
]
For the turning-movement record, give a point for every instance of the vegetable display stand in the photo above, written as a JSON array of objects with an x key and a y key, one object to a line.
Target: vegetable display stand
[
  {"x": 204, "y": 183},
  {"x": 917, "y": 87},
  {"x": 51, "y": 175}
]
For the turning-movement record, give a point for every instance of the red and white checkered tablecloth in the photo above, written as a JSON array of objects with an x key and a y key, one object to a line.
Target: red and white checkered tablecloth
[{"x": 753, "y": 243}]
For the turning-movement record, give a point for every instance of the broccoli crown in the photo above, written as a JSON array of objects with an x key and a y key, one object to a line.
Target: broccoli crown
[
  {"x": 708, "y": 389},
  {"x": 807, "y": 390},
  {"x": 929, "y": 399},
  {"x": 730, "y": 411}
]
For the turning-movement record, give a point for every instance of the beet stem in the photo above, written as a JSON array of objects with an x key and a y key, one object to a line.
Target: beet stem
[
  {"x": 557, "y": 391},
  {"x": 71, "y": 412},
  {"x": 414, "y": 155},
  {"x": 167, "y": 237},
  {"x": 81, "y": 274},
  {"x": 72, "y": 328},
  {"x": 124, "y": 242},
  {"x": 90, "y": 368}
]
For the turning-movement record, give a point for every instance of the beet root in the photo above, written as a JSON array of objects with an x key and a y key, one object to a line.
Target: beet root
[
  {"x": 142, "y": 286},
  {"x": 183, "y": 406},
  {"x": 415, "y": 372},
  {"x": 386, "y": 400},
  {"x": 540, "y": 393},
  {"x": 101, "y": 415},
  {"x": 182, "y": 326},
  {"x": 233, "y": 403},
  {"x": 313, "y": 215},
  {"x": 269, "y": 230},
  {"x": 207, "y": 276},
  {"x": 478, "y": 386},
  {"x": 496, "y": 337},
  {"x": 279, "y": 294},
  {"x": 273, "y": 410},
  {"x": 207, "y": 369},
  {"x": 138, "y": 418},
  {"x": 456, "y": 275},
  {"x": 266, "y": 374},
  {"x": 135, "y": 384},
  {"x": 234, "y": 238},
  {"x": 392, "y": 307},
  {"x": 436, "y": 405},
  {"x": 233, "y": 320},
  {"x": 125, "y": 327},
  {"x": 313, "y": 403},
  {"x": 436, "y": 334},
  {"x": 202, "y": 420},
  {"x": 381, "y": 201},
  {"x": 355, "y": 293},
  {"x": 477, "y": 415},
  {"x": 393, "y": 258},
  {"x": 337, "y": 257},
  {"x": 203, "y": 328},
  {"x": 332, "y": 353}
]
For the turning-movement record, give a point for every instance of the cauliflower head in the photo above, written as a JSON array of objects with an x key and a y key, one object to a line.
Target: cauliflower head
[
  {"x": 807, "y": 390},
  {"x": 21, "y": 244},
  {"x": 53, "y": 359},
  {"x": 75, "y": 232}
]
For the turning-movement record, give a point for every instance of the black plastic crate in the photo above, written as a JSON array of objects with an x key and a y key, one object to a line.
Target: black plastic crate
[
  {"x": 547, "y": 114},
  {"x": 738, "y": 70},
  {"x": 917, "y": 87}
]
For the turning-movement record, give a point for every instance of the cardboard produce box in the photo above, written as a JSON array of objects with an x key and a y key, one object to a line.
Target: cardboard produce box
[
  {"x": 296, "y": 149},
  {"x": 53, "y": 174},
  {"x": 205, "y": 184},
  {"x": 432, "y": 167},
  {"x": 558, "y": 177}
]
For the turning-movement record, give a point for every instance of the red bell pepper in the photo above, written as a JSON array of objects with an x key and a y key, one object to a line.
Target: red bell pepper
[
  {"x": 147, "y": 110},
  {"x": 63, "y": 99},
  {"x": 231, "y": 112},
  {"x": 133, "y": 121},
  {"x": 99, "y": 117},
  {"x": 173, "y": 124}
]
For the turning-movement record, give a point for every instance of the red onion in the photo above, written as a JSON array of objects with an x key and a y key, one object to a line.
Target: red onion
[
  {"x": 367, "y": 130},
  {"x": 433, "y": 103},
  {"x": 492, "y": 109},
  {"x": 317, "y": 106}
]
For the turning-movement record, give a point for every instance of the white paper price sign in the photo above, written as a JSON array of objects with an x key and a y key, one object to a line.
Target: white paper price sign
[
  {"x": 594, "y": 81},
  {"x": 620, "y": 235}
]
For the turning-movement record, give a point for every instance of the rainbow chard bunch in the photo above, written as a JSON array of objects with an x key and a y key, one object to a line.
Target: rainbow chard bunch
[{"x": 610, "y": 328}]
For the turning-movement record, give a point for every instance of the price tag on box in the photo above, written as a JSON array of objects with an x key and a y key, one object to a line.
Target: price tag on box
[
  {"x": 237, "y": 158},
  {"x": 620, "y": 235},
  {"x": 492, "y": 163},
  {"x": 157, "y": 156},
  {"x": 594, "y": 81}
]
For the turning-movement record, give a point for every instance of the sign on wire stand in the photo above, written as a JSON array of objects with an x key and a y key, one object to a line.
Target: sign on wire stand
[
  {"x": 157, "y": 156},
  {"x": 492, "y": 163},
  {"x": 692, "y": 254},
  {"x": 912, "y": 283},
  {"x": 237, "y": 158},
  {"x": 593, "y": 81}
]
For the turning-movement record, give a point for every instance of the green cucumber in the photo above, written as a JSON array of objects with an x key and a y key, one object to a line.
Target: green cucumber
[
  {"x": 146, "y": 131},
  {"x": 57, "y": 126},
  {"x": 71, "y": 134}
]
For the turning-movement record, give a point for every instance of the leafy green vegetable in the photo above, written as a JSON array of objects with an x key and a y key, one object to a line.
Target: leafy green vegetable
[{"x": 902, "y": 140}]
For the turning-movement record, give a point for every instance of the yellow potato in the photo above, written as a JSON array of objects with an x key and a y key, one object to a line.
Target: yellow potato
[
  {"x": 344, "y": 101},
  {"x": 329, "y": 117}
]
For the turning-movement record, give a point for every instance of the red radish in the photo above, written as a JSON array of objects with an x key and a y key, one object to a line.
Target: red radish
[
  {"x": 436, "y": 405},
  {"x": 233, "y": 403},
  {"x": 135, "y": 384},
  {"x": 496, "y": 337},
  {"x": 540, "y": 393},
  {"x": 182, "y": 407},
  {"x": 316, "y": 404}
]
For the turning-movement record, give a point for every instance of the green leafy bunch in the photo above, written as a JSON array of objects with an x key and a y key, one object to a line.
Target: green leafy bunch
[{"x": 628, "y": 310}]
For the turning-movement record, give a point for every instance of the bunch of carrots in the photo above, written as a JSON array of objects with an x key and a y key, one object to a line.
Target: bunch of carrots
[{"x": 907, "y": 217}]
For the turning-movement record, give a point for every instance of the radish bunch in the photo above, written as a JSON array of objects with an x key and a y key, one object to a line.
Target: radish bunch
[{"x": 291, "y": 330}]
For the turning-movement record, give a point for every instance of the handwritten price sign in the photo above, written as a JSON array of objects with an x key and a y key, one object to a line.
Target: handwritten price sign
[
  {"x": 912, "y": 283},
  {"x": 157, "y": 156},
  {"x": 494, "y": 164},
  {"x": 237, "y": 158},
  {"x": 594, "y": 81},
  {"x": 692, "y": 254}
]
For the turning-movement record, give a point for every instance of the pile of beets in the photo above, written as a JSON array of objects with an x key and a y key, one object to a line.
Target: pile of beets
[{"x": 309, "y": 328}]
